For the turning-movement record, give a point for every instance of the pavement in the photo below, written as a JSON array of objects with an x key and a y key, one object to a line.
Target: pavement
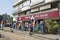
[
  {"x": 14, "y": 36},
  {"x": 39, "y": 36},
  {"x": 24, "y": 35},
  {"x": 2, "y": 39}
]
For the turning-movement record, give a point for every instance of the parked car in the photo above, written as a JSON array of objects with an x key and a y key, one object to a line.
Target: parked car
[{"x": 7, "y": 25}]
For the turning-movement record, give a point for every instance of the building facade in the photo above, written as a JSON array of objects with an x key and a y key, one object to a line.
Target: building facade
[{"x": 37, "y": 10}]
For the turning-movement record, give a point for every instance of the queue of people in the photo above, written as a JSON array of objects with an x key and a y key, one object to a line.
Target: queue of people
[{"x": 32, "y": 27}]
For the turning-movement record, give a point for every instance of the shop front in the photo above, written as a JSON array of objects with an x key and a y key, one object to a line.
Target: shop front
[{"x": 40, "y": 19}]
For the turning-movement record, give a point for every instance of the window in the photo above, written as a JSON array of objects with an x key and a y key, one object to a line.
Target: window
[
  {"x": 28, "y": 12},
  {"x": 20, "y": 6},
  {"x": 27, "y": 3},
  {"x": 54, "y": 5},
  {"x": 34, "y": 2},
  {"x": 46, "y": 1},
  {"x": 45, "y": 7},
  {"x": 22, "y": 14},
  {"x": 59, "y": 6},
  {"x": 16, "y": 8}
]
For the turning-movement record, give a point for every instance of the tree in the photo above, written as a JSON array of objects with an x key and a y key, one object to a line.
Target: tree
[
  {"x": 1, "y": 18},
  {"x": 10, "y": 19},
  {"x": 52, "y": 26},
  {"x": 7, "y": 17}
]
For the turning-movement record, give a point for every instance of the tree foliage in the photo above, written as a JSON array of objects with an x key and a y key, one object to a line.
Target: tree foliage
[
  {"x": 1, "y": 17},
  {"x": 10, "y": 19},
  {"x": 7, "y": 17},
  {"x": 52, "y": 26}
]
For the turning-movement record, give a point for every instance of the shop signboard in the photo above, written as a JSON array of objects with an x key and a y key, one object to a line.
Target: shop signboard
[
  {"x": 46, "y": 15},
  {"x": 53, "y": 14},
  {"x": 25, "y": 18}
]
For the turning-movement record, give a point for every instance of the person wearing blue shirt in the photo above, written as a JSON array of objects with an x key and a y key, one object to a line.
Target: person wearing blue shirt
[{"x": 42, "y": 26}]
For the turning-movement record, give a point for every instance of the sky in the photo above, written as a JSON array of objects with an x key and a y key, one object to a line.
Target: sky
[{"x": 6, "y": 6}]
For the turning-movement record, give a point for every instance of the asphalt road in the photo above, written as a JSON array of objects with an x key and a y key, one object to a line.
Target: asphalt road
[
  {"x": 23, "y": 35},
  {"x": 13, "y": 36}
]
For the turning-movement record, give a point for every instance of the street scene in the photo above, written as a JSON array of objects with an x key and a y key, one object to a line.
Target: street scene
[
  {"x": 30, "y": 20},
  {"x": 23, "y": 35}
]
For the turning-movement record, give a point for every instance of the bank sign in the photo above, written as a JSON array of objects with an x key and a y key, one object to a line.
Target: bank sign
[{"x": 53, "y": 14}]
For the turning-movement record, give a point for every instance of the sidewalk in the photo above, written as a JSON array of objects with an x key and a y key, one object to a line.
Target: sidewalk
[
  {"x": 13, "y": 36},
  {"x": 45, "y": 36},
  {"x": 48, "y": 36}
]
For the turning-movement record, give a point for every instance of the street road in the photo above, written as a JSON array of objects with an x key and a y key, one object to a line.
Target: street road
[
  {"x": 13, "y": 36},
  {"x": 23, "y": 35}
]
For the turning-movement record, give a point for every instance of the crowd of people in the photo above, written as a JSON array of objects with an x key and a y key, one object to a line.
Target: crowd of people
[{"x": 31, "y": 26}]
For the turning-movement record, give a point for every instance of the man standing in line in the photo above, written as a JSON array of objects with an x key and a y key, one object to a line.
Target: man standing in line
[
  {"x": 42, "y": 26},
  {"x": 33, "y": 24},
  {"x": 1, "y": 24}
]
